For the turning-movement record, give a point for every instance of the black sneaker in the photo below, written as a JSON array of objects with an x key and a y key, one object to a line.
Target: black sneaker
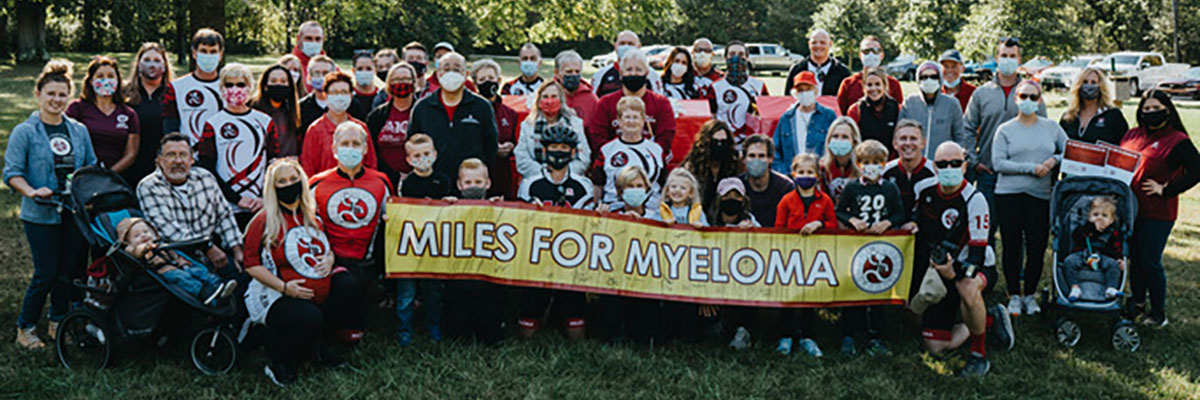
[
  {"x": 1002, "y": 329},
  {"x": 976, "y": 367},
  {"x": 329, "y": 357},
  {"x": 280, "y": 374}
]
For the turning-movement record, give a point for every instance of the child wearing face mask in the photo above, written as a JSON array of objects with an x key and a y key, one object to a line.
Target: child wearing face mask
[
  {"x": 871, "y": 205},
  {"x": 472, "y": 307},
  {"x": 423, "y": 183},
  {"x": 1096, "y": 254},
  {"x": 806, "y": 209}
]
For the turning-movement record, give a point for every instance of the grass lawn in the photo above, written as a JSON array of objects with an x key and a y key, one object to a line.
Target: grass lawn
[{"x": 548, "y": 367}]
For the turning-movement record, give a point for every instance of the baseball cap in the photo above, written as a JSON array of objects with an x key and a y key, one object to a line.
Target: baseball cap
[
  {"x": 952, "y": 55},
  {"x": 443, "y": 45},
  {"x": 727, "y": 184},
  {"x": 805, "y": 77}
]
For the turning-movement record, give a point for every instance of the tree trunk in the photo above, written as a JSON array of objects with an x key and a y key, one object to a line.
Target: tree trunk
[
  {"x": 207, "y": 14},
  {"x": 181, "y": 35},
  {"x": 89, "y": 21},
  {"x": 31, "y": 31}
]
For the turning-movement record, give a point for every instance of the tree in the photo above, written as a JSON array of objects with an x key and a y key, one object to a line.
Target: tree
[
  {"x": 1047, "y": 29},
  {"x": 925, "y": 28},
  {"x": 31, "y": 31},
  {"x": 510, "y": 23},
  {"x": 848, "y": 21}
]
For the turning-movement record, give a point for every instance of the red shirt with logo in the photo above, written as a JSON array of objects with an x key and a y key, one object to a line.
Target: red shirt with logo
[
  {"x": 351, "y": 208},
  {"x": 391, "y": 140},
  {"x": 295, "y": 254},
  {"x": 1154, "y": 148}
]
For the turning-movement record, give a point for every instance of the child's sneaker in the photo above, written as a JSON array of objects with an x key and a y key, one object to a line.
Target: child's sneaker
[
  {"x": 1015, "y": 304},
  {"x": 848, "y": 346},
  {"x": 811, "y": 347},
  {"x": 741, "y": 339},
  {"x": 1031, "y": 305},
  {"x": 28, "y": 338},
  {"x": 784, "y": 347},
  {"x": 875, "y": 347},
  {"x": 1111, "y": 293},
  {"x": 229, "y": 288},
  {"x": 1075, "y": 293}
]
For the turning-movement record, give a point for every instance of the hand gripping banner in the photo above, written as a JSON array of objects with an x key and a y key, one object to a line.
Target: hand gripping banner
[{"x": 525, "y": 245}]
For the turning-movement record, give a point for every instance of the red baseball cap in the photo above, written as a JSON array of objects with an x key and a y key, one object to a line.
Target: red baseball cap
[{"x": 805, "y": 77}]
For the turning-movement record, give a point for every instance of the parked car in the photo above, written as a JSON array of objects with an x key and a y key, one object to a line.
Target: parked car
[
  {"x": 903, "y": 67},
  {"x": 1142, "y": 70},
  {"x": 1035, "y": 66},
  {"x": 657, "y": 54},
  {"x": 603, "y": 60},
  {"x": 1186, "y": 85},
  {"x": 979, "y": 72},
  {"x": 1063, "y": 75}
]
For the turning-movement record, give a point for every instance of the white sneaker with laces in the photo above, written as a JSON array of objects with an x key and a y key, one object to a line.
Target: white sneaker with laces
[
  {"x": 1015, "y": 304},
  {"x": 741, "y": 339},
  {"x": 1031, "y": 305}
]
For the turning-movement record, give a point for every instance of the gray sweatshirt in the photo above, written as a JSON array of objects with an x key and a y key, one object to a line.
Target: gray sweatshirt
[
  {"x": 1017, "y": 149},
  {"x": 942, "y": 120},
  {"x": 989, "y": 108}
]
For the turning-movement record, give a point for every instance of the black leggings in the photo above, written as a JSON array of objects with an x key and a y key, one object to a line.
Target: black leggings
[
  {"x": 534, "y": 302},
  {"x": 473, "y": 310},
  {"x": 296, "y": 326},
  {"x": 639, "y": 318},
  {"x": 1024, "y": 228}
]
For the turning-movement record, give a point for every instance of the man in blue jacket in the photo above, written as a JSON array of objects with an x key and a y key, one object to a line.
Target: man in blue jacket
[{"x": 801, "y": 129}]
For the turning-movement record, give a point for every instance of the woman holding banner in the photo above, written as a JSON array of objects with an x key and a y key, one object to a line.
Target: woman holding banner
[
  {"x": 1091, "y": 115},
  {"x": 1170, "y": 166}
]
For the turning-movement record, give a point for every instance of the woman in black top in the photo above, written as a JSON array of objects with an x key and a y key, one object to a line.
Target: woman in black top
[
  {"x": 144, "y": 92},
  {"x": 277, "y": 97},
  {"x": 876, "y": 112},
  {"x": 1091, "y": 115}
]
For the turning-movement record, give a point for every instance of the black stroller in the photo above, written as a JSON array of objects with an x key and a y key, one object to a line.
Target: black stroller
[
  {"x": 1068, "y": 210},
  {"x": 134, "y": 297}
]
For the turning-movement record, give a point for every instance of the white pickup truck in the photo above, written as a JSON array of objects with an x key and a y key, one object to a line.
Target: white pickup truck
[{"x": 1142, "y": 70}]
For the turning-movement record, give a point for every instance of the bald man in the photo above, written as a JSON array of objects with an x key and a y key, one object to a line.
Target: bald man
[
  {"x": 608, "y": 79},
  {"x": 949, "y": 211},
  {"x": 461, "y": 124},
  {"x": 825, "y": 66}
]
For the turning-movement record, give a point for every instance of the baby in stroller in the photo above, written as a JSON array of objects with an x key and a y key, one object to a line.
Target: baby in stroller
[
  {"x": 1096, "y": 254},
  {"x": 140, "y": 239}
]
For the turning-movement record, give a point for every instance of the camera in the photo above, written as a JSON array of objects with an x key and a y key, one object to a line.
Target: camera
[{"x": 940, "y": 252}]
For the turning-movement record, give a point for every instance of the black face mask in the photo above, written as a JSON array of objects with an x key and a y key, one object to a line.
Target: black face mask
[
  {"x": 382, "y": 75},
  {"x": 721, "y": 149},
  {"x": 557, "y": 159},
  {"x": 278, "y": 93},
  {"x": 1155, "y": 120},
  {"x": 487, "y": 89},
  {"x": 1089, "y": 91},
  {"x": 288, "y": 194},
  {"x": 633, "y": 83},
  {"x": 571, "y": 82},
  {"x": 419, "y": 66},
  {"x": 731, "y": 206}
]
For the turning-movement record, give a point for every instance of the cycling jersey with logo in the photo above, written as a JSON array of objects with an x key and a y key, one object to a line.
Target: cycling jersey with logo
[
  {"x": 617, "y": 154},
  {"x": 351, "y": 209},
  {"x": 241, "y": 144},
  {"x": 574, "y": 191},
  {"x": 937, "y": 216},
  {"x": 518, "y": 87},
  {"x": 735, "y": 102},
  {"x": 192, "y": 101}
]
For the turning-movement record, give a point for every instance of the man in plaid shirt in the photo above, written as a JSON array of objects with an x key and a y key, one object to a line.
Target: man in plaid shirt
[{"x": 185, "y": 203}]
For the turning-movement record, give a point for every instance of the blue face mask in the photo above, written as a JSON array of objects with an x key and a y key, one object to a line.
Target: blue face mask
[
  {"x": 756, "y": 167},
  {"x": 350, "y": 156},
  {"x": 953, "y": 83},
  {"x": 840, "y": 147},
  {"x": 207, "y": 62},
  {"x": 950, "y": 177},
  {"x": 529, "y": 68},
  {"x": 1007, "y": 66},
  {"x": 805, "y": 182},
  {"x": 1027, "y": 106},
  {"x": 317, "y": 82},
  {"x": 621, "y": 51},
  {"x": 338, "y": 102},
  {"x": 633, "y": 197},
  {"x": 364, "y": 77}
]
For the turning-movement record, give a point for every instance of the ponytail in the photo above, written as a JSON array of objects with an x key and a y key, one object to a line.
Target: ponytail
[{"x": 56, "y": 70}]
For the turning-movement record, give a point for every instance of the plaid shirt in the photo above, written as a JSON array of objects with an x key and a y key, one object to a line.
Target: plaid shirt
[{"x": 195, "y": 209}]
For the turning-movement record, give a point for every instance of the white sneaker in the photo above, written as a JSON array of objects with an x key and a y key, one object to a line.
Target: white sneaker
[
  {"x": 741, "y": 339},
  {"x": 1031, "y": 305},
  {"x": 1015, "y": 304}
]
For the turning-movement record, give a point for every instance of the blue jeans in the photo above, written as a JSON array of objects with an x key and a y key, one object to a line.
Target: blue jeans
[
  {"x": 431, "y": 297},
  {"x": 986, "y": 185},
  {"x": 1146, "y": 269},
  {"x": 59, "y": 253},
  {"x": 192, "y": 279}
]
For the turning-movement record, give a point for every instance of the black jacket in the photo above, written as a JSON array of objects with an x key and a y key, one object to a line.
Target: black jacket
[
  {"x": 310, "y": 111},
  {"x": 1108, "y": 126},
  {"x": 471, "y": 133},
  {"x": 831, "y": 83}
]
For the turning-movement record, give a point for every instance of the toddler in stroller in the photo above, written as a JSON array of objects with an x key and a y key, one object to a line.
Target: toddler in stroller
[
  {"x": 1096, "y": 254},
  {"x": 140, "y": 239}
]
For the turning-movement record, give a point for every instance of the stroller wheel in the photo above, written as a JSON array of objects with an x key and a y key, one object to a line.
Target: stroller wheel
[
  {"x": 83, "y": 341},
  {"x": 213, "y": 351},
  {"x": 1125, "y": 337},
  {"x": 1068, "y": 332}
]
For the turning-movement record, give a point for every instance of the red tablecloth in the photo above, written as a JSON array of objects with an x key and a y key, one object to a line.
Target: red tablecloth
[{"x": 695, "y": 113}]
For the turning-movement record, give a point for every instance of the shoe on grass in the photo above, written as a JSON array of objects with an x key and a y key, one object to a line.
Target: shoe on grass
[
  {"x": 1155, "y": 321},
  {"x": 280, "y": 374},
  {"x": 741, "y": 339},
  {"x": 976, "y": 367},
  {"x": 810, "y": 347},
  {"x": 875, "y": 347},
  {"x": 848, "y": 346},
  {"x": 29, "y": 339},
  {"x": 1015, "y": 304},
  {"x": 1002, "y": 327},
  {"x": 1031, "y": 305},
  {"x": 784, "y": 347},
  {"x": 404, "y": 338}
]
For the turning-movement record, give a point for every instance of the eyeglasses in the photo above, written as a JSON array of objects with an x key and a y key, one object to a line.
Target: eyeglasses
[
  {"x": 239, "y": 84},
  {"x": 176, "y": 156},
  {"x": 949, "y": 163},
  {"x": 871, "y": 50},
  {"x": 1010, "y": 41},
  {"x": 1028, "y": 96}
]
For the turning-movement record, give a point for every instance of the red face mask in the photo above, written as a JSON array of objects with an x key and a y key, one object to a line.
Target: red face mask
[
  {"x": 550, "y": 107},
  {"x": 401, "y": 89}
]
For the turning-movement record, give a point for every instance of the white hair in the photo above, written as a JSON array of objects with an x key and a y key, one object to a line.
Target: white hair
[
  {"x": 348, "y": 128},
  {"x": 635, "y": 55},
  {"x": 483, "y": 64},
  {"x": 566, "y": 56}
]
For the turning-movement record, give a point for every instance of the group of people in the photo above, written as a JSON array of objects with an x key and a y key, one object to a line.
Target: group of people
[{"x": 288, "y": 173}]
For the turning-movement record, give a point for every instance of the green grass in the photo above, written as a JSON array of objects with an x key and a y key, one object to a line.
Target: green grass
[{"x": 548, "y": 367}]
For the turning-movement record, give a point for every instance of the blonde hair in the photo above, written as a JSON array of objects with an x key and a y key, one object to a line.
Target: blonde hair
[
  {"x": 473, "y": 164},
  {"x": 871, "y": 151},
  {"x": 235, "y": 71},
  {"x": 628, "y": 174},
  {"x": 565, "y": 112},
  {"x": 630, "y": 103},
  {"x": 1073, "y": 100},
  {"x": 805, "y": 159},
  {"x": 306, "y": 209},
  {"x": 1105, "y": 203},
  {"x": 827, "y": 160},
  {"x": 126, "y": 226},
  {"x": 683, "y": 175},
  {"x": 877, "y": 72}
]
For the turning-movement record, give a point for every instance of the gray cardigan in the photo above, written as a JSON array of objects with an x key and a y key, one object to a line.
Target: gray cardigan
[
  {"x": 28, "y": 155},
  {"x": 1018, "y": 149},
  {"x": 942, "y": 121},
  {"x": 989, "y": 108}
]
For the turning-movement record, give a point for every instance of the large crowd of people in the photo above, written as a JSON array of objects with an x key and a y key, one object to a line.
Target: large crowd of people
[{"x": 260, "y": 162}]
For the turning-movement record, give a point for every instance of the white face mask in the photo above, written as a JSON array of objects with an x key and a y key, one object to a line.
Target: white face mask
[
  {"x": 311, "y": 49},
  {"x": 338, "y": 102},
  {"x": 872, "y": 171},
  {"x": 703, "y": 59},
  {"x": 677, "y": 70},
  {"x": 806, "y": 98},
  {"x": 930, "y": 86},
  {"x": 871, "y": 60},
  {"x": 452, "y": 81}
]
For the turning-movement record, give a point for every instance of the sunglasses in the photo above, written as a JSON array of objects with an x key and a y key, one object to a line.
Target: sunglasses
[
  {"x": 871, "y": 51},
  {"x": 239, "y": 84},
  {"x": 923, "y": 77},
  {"x": 1010, "y": 41},
  {"x": 1027, "y": 96},
  {"x": 949, "y": 163}
]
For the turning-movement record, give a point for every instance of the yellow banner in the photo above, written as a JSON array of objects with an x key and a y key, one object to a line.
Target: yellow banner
[{"x": 524, "y": 245}]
